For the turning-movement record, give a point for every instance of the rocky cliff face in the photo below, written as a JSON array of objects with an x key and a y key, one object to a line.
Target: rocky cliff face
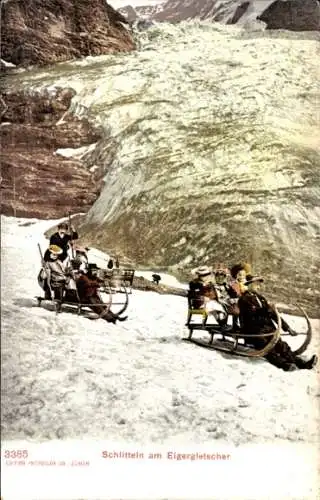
[
  {"x": 295, "y": 15},
  {"x": 37, "y": 32},
  {"x": 37, "y": 182}
]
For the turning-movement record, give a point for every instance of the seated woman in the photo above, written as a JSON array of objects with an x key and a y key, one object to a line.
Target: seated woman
[
  {"x": 239, "y": 273},
  {"x": 200, "y": 288},
  {"x": 238, "y": 286},
  {"x": 203, "y": 294},
  {"x": 222, "y": 287},
  {"x": 60, "y": 274},
  {"x": 226, "y": 297}
]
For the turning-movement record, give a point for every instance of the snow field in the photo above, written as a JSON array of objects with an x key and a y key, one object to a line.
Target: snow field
[{"x": 65, "y": 377}]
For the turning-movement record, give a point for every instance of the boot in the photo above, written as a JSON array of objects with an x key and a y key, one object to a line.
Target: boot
[
  {"x": 123, "y": 318},
  {"x": 306, "y": 365},
  {"x": 110, "y": 317}
]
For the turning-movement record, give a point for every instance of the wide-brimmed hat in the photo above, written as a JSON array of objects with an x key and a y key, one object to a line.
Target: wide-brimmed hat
[
  {"x": 202, "y": 271},
  {"x": 55, "y": 249},
  {"x": 253, "y": 279}
]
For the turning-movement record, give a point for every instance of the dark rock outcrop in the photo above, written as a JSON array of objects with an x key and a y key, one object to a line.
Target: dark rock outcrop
[
  {"x": 129, "y": 13},
  {"x": 295, "y": 15},
  {"x": 37, "y": 182},
  {"x": 140, "y": 12},
  {"x": 143, "y": 24},
  {"x": 37, "y": 32}
]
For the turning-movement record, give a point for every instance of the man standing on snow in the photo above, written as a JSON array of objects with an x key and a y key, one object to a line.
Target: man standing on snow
[
  {"x": 257, "y": 316},
  {"x": 62, "y": 239}
]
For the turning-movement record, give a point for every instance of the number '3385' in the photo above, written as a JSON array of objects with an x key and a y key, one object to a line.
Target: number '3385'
[{"x": 16, "y": 454}]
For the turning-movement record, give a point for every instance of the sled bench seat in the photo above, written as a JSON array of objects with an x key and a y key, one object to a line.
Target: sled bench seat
[{"x": 197, "y": 312}]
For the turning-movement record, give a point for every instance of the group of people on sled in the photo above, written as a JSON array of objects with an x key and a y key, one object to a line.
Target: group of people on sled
[
  {"x": 72, "y": 279},
  {"x": 236, "y": 292}
]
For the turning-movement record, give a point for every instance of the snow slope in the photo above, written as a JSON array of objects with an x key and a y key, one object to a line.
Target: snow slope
[{"x": 67, "y": 377}]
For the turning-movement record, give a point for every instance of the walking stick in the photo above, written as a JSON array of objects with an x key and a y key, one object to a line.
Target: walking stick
[
  {"x": 71, "y": 241},
  {"x": 42, "y": 259}
]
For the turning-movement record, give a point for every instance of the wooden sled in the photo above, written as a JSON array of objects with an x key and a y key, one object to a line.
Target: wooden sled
[
  {"x": 115, "y": 283},
  {"x": 223, "y": 338}
]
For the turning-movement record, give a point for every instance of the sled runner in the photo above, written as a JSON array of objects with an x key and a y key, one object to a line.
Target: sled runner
[
  {"x": 306, "y": 336},
  {"x": 224, "y": 338},
  {"x": 75, "y": 304}
]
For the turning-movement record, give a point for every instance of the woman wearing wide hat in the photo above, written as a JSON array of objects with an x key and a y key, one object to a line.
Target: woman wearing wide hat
[
  {"x": 201, "y": 287},
  {"x": 61, "y": 276}
]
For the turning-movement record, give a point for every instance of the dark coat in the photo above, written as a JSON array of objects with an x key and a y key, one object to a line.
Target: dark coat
[
  {"x": 87, "y": 287},
  {"x": 63, "y": 243},
  {"x": 197, "y": 291},
  {"x": 88, "y": 294},
  {"x": 257, "y": 315}
]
